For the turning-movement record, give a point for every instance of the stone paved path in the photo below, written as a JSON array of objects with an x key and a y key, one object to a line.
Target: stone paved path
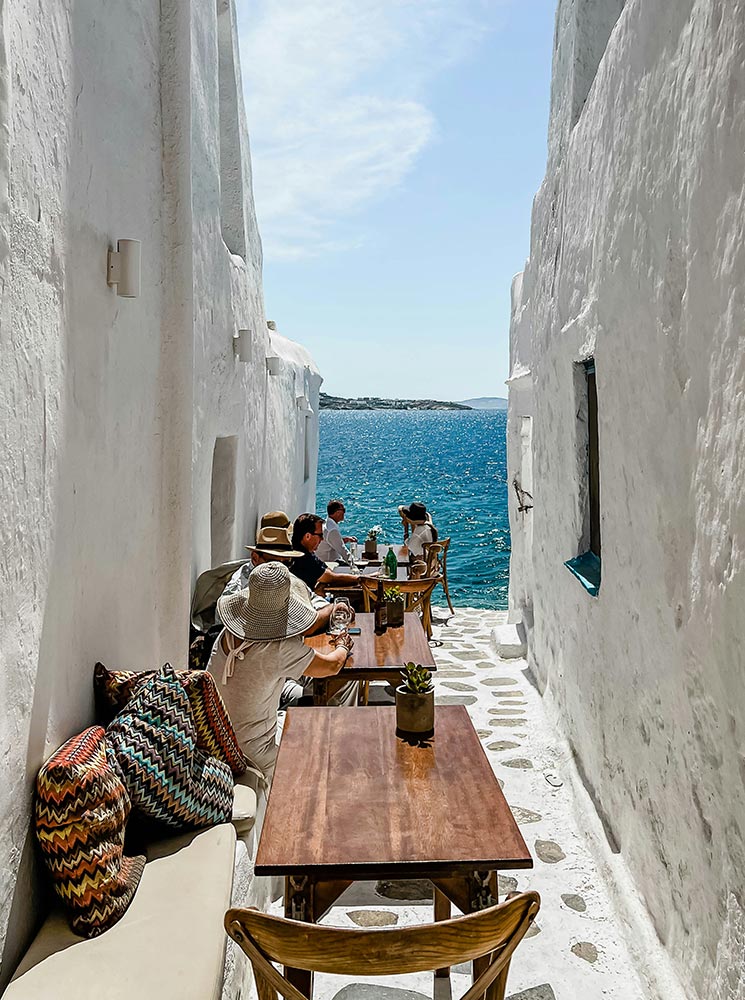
[{"x": 576, "y": 949}]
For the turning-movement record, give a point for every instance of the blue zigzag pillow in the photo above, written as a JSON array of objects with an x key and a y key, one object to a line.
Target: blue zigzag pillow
[{"x": 152, "y": 744}]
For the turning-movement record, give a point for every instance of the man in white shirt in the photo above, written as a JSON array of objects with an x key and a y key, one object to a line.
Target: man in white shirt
[{"x": 332, "y": 548}]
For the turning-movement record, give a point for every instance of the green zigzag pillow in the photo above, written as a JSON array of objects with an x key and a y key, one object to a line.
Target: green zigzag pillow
[{"x": 152, "y": 744}]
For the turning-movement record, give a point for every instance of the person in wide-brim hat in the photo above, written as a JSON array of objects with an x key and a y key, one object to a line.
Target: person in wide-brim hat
[
  {"x": 274, "y": 606},
  {"x": 262, "y": 645},
  {"x": 418, "y": 517},
  {"x": 273, "y": 540},
  {"x": 415, "y": 513}
]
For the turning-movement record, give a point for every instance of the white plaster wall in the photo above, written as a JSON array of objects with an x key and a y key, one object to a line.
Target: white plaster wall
[
  {"x": 234, "y": 398},
  {"x": 519, "y": 464},
  {"x": 638, "y": 257},
  {"x": 109, "y": 407}
]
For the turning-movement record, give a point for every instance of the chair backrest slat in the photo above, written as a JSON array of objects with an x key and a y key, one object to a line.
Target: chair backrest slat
[{"x": 386, "y": 951}]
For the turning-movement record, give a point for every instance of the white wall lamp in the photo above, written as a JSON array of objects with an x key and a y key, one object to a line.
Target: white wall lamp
[
  {"x": 303, "y": 404},
  {"x": 123, "y": 269},
  {"x": 242, "y": 345},
  {"x": 274, "y": 365}
]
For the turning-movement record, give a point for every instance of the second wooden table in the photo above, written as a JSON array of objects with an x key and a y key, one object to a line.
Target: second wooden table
[{"x": 376, "y": 657}]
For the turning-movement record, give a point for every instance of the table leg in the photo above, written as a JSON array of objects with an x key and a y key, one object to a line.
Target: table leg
[
  {"x": 469, "y": 893},
  {"x": 482, "y": 888},
  {"x": 320, "y": 691},
  {"x": 442, "y": 912},
  {"x": 299, "y": 905}
]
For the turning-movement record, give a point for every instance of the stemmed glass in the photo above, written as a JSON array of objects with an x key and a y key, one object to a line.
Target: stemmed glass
[{"x": 341, "y": 616}]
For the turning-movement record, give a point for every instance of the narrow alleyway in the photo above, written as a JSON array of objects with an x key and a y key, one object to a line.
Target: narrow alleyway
[{"x": 577, "y": 949}]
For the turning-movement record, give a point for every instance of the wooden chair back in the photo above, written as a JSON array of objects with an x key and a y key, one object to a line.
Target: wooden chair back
[
  {"x": 433, "y": 555},
  {"x": 440, "y": 548},
  {"x": 495, "y": 932},
  {"x": 417, "y": 596}
]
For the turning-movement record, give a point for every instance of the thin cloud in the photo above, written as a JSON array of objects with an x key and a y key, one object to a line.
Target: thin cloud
[{"x": 335, "y": 95}]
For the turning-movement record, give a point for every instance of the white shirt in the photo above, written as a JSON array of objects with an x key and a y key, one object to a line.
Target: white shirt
[
  {"x": 250, "y": 679},
  {"x": 332, "y": 548},
  {"x": 421, "y": 534}
]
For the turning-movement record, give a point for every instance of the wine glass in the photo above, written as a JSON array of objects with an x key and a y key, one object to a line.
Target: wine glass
[{"x": 341, "y": 616}]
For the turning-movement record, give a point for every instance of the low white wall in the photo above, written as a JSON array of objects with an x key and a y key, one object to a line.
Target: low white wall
[{"x": 638, "y": 258}]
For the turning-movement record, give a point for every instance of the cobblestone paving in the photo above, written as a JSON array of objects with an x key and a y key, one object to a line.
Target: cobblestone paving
[{"x": 575, "y": 949}]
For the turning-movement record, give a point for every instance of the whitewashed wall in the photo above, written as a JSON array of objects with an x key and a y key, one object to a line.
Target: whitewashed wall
[
  {"x": 638, "y": 258},
  {"x": 110, "y": 407}
]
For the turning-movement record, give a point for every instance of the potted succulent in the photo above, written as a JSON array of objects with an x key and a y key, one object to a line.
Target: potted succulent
[
  {"x": 394, "y": 599},
  {"x": 415, "y": 703},
  {"x": 371, "y": 542}
]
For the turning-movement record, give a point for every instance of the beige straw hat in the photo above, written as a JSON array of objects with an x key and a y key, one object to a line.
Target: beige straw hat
[
  {"x": 275, "y": 541},
  {"x": 273, "y": 606}
]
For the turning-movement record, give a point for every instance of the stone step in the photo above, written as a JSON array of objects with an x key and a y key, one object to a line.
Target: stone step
[{"x": 509, "y": 641}]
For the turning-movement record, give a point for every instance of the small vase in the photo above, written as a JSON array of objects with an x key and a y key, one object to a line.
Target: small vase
[
  {"x": 371, "y": 548},
  {"x": 415, "y": 714},
  {"x": 395, "y": 614}
]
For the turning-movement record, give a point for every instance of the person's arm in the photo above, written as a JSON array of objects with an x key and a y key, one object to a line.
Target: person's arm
[
  {"x": 322, "y": 621},
  {"x": 340, "y": 579},
  {"x": 329, "y": 664}
]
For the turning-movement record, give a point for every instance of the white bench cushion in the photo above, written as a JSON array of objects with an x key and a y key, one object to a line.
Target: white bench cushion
[{"x": 169, "y": 945}]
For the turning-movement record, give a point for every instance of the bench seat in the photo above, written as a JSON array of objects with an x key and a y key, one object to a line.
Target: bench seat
[{"x": 169, "y": 945}]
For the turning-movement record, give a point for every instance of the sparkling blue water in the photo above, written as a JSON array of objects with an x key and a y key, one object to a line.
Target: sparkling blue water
[{"x": 454, "y": 461}]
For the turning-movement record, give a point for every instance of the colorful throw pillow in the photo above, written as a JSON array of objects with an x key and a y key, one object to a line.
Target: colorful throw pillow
[
  {"x": 153, "y": 744},
  {"x": 215, "y": 733},
  {"x": 81, "y": 811}
]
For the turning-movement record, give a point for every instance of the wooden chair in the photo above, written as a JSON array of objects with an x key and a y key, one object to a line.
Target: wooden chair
[
  {"x": 440, "y": 565},
  {"x": 488, "y": 937},
  {"x": 417, "y": 595}
]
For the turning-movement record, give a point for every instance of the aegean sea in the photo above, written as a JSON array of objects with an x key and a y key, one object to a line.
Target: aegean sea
[{"x": 453, "y": 461}]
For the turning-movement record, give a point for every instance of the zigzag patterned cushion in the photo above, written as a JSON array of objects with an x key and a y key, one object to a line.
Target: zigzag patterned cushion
[
  {"x": 215, "y": 733},
  {"x": 153, "y": 744},
  {"x": 81, "y": 811}
]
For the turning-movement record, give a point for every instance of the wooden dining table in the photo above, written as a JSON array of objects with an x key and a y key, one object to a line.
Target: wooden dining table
[
  {"x": 352, "y": 801},
  {"x": 374, "y": 657}
]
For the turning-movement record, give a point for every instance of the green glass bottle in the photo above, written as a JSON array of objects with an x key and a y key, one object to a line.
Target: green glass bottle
[{"x": 391, "y": 564}]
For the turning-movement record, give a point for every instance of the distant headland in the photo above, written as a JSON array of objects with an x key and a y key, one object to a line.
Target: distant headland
[{"x": 328, "y": 402}]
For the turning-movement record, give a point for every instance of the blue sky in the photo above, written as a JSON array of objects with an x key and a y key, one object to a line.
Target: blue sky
[{"x": 397, "y": 146}]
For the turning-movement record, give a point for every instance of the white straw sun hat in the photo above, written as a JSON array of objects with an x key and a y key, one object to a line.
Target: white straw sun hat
[{"x": 273, "y": 606}]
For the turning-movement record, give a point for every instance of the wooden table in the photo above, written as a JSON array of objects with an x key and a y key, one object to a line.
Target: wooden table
[
  {"x": 375, "y": 657},
  {"x": 351, "y": 801}
]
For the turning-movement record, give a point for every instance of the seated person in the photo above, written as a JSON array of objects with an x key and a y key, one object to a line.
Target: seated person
[
  {"x": 332, "y": 548},
  {"x": 418, "y": 528},
  {"x": 260, "y": 646},
  {"x": 276, "y": 537},
  {"x": 307, "y": 533}
]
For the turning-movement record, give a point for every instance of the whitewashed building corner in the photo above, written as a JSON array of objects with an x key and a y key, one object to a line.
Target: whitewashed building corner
[
  {"x": 141, "y": 437},
  {"x": 635, "y": 291}
]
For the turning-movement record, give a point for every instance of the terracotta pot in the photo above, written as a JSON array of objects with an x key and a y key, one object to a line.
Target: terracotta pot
[
  {"x": 395, "y": 613},
  {"x": 371, "y": 548},
  {"x": 415, "y": 714}
]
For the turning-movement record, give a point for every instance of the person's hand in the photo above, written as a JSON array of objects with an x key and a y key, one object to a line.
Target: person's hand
[{"x": 351, "y": 538}]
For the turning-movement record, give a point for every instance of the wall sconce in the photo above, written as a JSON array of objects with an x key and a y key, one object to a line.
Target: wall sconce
[
  {"x": 242, "y": 345},
  {"x": 123, "y": 269},
  {"x": 274, "y": 365},
  {"x": 303, "y": 404}
]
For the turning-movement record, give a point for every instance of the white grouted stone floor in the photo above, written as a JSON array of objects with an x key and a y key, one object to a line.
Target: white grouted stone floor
[{"x": 576, "y": 949}]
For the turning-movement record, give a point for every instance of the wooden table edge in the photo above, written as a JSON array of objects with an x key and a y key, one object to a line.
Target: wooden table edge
[{"x": 394, "y": 870}]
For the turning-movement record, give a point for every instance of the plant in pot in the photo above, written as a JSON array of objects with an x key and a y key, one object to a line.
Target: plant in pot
[
  {"x": 395, "y": 602},
  {"x": 415, "y": 703},
  {"x": 371, "y": 542}
]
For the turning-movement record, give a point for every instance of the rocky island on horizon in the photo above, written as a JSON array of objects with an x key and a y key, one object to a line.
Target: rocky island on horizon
[{"x": 328, "y": 402}]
